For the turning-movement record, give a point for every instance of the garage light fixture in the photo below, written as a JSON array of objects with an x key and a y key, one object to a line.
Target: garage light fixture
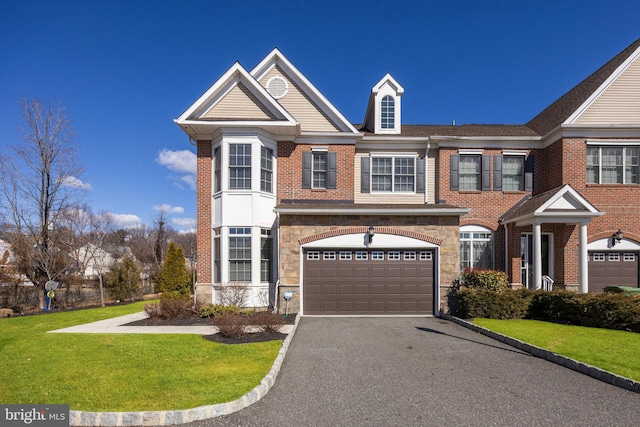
[
  {"x": 370, "y": 234},
  {"x": 616, "y": 238}
]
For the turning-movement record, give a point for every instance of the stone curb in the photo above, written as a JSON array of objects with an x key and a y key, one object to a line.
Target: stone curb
[
  {"x": 542, "y": 353},
  {"x": 167, "y": 418}
]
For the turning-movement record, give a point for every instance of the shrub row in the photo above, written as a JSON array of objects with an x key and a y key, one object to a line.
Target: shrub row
[
  {"x": 236, "y": 325},
  {"x": 612, "y": 311}
]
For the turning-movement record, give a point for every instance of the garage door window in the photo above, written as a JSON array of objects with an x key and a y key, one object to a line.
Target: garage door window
[
  {"x": 313, "y": 255},
  {"x": 597, "y": 257},
  {"x": 629, "y": 257},
  {"x": 409, "y": 256},
  {"x": 377, "y": 255},
  {"x": 362, "y": 256},
  {"x": 425, "y": 256},
  {"x": 345, "y": 256},
  {"x": 328, "y": 255},
  {"x": 393, "y": 256},
  {"x": 614, "y": 257}
]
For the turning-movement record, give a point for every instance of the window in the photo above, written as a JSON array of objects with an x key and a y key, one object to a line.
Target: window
[
  {"x": 392, "y": 174},
  {"x": 217, "y": 161},
  {"x": 319, "y": 170},
  {"x": 266, "y": 252},
  {"x": 377, "y": 255},
  {"x": 266, "y": 170},
  {"x": 409, "y": 256},
  {"x": 614, "y": 257},
  {"x": 476, "y": 248},
  {"x": 362, "y": 256},
  {"x": 513, "y": 173},
  {"x": 629, "y": 257},
  {"x": 612, "y": 165},
  {"x": 387, "y": 113},
  {"x": 469, "y": 173},
  {"x": 240, "y": 166},
  {"x": 240, "y": 254},
  {"x": 329, "y": 255},
  {"x": 313, "y": 255},
  {"x": 597, "y": 257},
  {"x": 345, "y": 256},
  {"x": 425, "y": 256},
  {"x": 216, "y": 256},
  {"x": 393, "y": 256}
]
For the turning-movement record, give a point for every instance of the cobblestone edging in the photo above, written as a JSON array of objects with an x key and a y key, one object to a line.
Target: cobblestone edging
[
  {"x": 166, "y": 418},
  {"x": 567, "y": 362}
]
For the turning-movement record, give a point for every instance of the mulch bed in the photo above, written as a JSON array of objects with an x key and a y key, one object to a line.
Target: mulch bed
[{"x": 200, "y": 321}]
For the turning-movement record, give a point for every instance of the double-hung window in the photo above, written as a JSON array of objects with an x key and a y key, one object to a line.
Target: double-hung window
[
  {"x": 266, "y": 255},
  {"x": 240, "y": 166},
  {"x": 319, "y": 169},
  {"x": 266, "y": 170},
  {"x": 217, "y": 165},
  {"x": 387, "y": 113},
  {"x": 513, "y": 173},
  {"x": 470, "y": 178},
  {"x": 612, "y": 165},
  {"x": 393, "y": 174},
  {"x": 240, "y": 254},
  {"x": 476, "y": 248}
]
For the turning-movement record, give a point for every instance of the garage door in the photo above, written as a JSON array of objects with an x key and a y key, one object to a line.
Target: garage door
[
  {"x": 612, "y": 269},
  {"x": 372, "y": 282}
]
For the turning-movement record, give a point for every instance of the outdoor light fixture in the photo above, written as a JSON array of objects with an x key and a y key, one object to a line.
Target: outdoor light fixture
[
  {"x": 370, "y": 234},
  {"x": 616, "y": 238}
]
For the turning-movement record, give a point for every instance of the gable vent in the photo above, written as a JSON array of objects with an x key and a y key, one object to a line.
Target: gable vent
[{"x": 277, "y": 87}]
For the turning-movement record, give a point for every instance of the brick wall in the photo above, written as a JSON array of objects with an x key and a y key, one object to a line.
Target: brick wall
[
  {"x": 290, "y": 173},
  {"x": 204, "y": 210}
]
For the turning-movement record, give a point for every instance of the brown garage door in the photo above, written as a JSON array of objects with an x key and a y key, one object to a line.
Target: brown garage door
[
  {"x": 371, "y": 282},
  {"x": 612, "y": 269}
]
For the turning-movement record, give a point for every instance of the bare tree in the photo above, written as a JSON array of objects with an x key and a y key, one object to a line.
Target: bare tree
[{"x": 38, "y": 180}]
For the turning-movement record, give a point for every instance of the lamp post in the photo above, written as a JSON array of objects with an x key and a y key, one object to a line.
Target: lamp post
[{"x": 616, "y": 238}]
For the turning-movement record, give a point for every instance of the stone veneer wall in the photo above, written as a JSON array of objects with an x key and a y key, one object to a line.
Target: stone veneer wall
[{"x": 296, "y": 227}]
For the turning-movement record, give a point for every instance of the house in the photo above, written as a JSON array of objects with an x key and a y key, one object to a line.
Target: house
[{"x": 380, "y": 218}]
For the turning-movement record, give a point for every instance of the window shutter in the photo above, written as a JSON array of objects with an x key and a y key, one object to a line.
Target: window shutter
[
  {"x": 307, "y": 160},
  {"x": 454, "y": 173},
  {"x": 497, "y": 172},
  {"x": 420, "y": 175},
  {"x": 331, "y": 171},
  {"x": 486, "y": 172},
  {"x": 365, "y": 175},
  {"x": 528, "y": 173}
]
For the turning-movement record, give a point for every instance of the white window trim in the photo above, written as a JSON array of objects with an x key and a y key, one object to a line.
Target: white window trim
[{"x": 394, "y": 156}]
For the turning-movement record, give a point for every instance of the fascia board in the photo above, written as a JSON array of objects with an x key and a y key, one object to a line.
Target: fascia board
[
  {"x": 553, "y": 217},
  {"x": 603, "y": 87},
  {"x": 487, "y": 142},
  {"x": 369, "y": 211},
  {"x": 564, "y": 190},
  {"x": 295, "y": 74},
  {"x": 388, "y": 78}
]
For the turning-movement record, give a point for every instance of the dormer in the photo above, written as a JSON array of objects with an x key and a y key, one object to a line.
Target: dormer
[{"x": 383, "y": 111}]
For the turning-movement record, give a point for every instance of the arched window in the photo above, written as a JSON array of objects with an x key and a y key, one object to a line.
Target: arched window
[
  {"x": 476, "y": 247},
  {"x": 387, "y": 113}
]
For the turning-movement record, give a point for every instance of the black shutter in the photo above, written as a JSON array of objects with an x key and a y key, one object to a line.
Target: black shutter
[
  {"x": 307, "y": 160},
  {"x": 420, "y": 175},
  {"x": 486, "y": 172},
  {"x": 528, "y": 173},
  {"x": 497, "y": 172},
  {"x": 365, "y": 176},
  {"x": 454, "y": 173},
  {"x": 331, "y": 171}
]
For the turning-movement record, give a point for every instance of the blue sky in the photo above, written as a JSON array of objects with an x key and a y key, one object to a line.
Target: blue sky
[{"x": 125, "y": 69}]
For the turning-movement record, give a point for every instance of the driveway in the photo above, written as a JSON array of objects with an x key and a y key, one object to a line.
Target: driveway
[{"x": 420, "y": 372}]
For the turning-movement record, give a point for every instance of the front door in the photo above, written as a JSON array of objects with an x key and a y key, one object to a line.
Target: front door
[{"x": 526, "y": 256}]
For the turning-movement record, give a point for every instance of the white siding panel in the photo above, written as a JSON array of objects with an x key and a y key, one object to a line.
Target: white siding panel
[
  {"x": 619, "y": 103},
  {"x": 432, "y": 162},
  {"x": 239, "y": 104},
  {"x": 300, "y": 106}
]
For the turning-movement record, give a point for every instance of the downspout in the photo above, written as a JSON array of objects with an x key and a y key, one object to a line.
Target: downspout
[{"x": 426, "y": 175}]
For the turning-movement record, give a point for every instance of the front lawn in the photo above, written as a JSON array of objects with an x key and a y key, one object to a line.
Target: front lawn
[
  {"x": 123, "y": 372},
  {"x": 611, "y": 350}
]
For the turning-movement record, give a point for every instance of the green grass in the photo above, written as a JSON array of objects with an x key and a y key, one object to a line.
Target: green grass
[
  {"x": 122, "y": 372},
  {"x": 613, "y": 351}
]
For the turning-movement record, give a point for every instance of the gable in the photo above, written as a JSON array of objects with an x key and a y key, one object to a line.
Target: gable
[
  {"x": 239, "y": 103},
  {"x": 300, "y": 105},
  {"x": 619, "y": 102}
]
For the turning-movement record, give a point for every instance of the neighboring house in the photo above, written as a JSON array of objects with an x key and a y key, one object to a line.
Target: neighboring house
[
  {"x": 94, "y": 260},
  {"x": 381, "y": 218}
]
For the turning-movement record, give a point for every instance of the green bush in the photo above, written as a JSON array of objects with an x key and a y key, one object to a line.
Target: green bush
[
  {"x": 213, "y": 310},
  {"x": 125, "y": 280},
  {"x": 175, "y": 305},
  {"x": 174, "y": 276},
  {"x": 485, "y": 279},
  {"x": 487, "y": 303}
]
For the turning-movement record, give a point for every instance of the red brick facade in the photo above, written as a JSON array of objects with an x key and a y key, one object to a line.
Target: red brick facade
[{"x": 204, "y": 210}]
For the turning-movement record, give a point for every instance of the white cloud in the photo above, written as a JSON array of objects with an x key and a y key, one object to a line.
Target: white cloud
[
  {"x": 190, "y": 180},
  {"x": 179, "y": 161},
  {"x": 126, "y": 220},
  {"x": 169, "y": 209},
  {"x": 72, "y": 181},
  {"x": 189, "y": 223}
]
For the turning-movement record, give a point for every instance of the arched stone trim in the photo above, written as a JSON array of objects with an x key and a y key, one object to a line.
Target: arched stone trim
[
  {"x": 476, "y": 221},
  {"x": 608, "y": 235},
  {"x": 365, "y": 229}
]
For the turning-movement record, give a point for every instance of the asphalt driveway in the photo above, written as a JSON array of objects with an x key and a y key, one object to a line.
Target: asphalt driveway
[{"x": 424, "y": 371}]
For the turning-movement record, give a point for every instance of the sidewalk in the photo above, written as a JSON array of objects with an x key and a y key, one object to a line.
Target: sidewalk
[{"x": 116, "y": 325}]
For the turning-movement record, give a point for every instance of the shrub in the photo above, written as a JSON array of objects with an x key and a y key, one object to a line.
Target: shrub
[
  {"x": 174, "y": 305},
  {"x": 5, "y": 312},
  {"x": 125, "y": 281},
  {"x": 153, "y": 310},
  {"x": 234, "y": 294},
  {"x": 174, "y": 276},
  {"x": 213, "y": 310},
  {"x": 231, "y": 325},
  {"x": 479, "y": 302},
  {"x": 485, "y": 279},
  {"x": 267, "y": 321}
]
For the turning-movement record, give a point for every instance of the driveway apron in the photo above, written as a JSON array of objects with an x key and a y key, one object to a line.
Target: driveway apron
[{"x": 424, "y": 371}]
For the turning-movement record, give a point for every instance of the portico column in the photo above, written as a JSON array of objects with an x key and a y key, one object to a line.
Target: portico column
[
  {"x": 583, "y": 260},
  {"x": 537, "y": 256}
]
